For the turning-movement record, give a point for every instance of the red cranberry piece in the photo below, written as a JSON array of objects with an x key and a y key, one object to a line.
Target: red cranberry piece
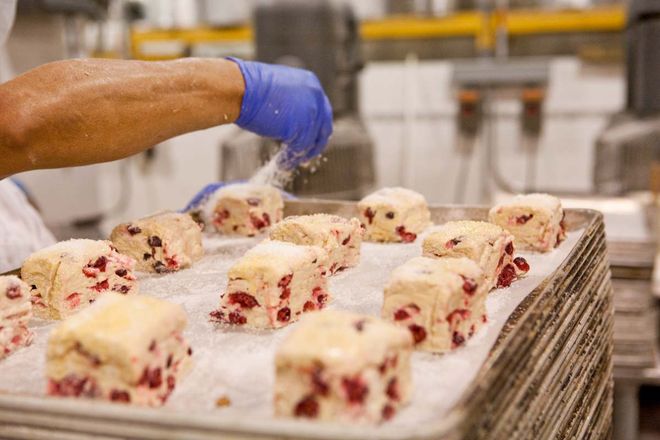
[
  {"x": 484, "y": 319},
  {"x": 154, "y": 241},
  {"x": 73, "y": 300},
  {"x": 406, "y": 237},
  {"x": 359, "y": 326},
  {"x": 236, "y": 318},
  {"x": 253, "y": 201},
  {"x": 102, "y": 285},
  {"x": 266, "y": 218},
  {"x": 451, "y": 243},
  {"x": 392, "y": 390},
  {"x": 507, "y": 276},
  {"x": 521, "y": 264},
  {"x": 243, "y": 299},
  {"x": 463, "y": 314},
  {"x": 90, "y": 272},
  {"x": 418, "y": 332},
  {"x": 120, "y": 396},
  {"x": 389, "y": 215},
  {"x": 457, "y": 340},
  {"x": 356, "y": 390},
  {"x": 189, "y": 351},
  {"x": 369, "y": 214},
  {"x": 159, "y": 267},
  {"x": 284, "y": 314},
  {"x": 469, "y": 286},
  {"x": 321, "y": 300},
  {"x": 100, "y": 263},
  {"x": 521, "y": 220},
  {"x": 346, "y": 241},
  {"x": 257, "y": 222},
  {"x": 13, "y": 292},
  {"x": 153, "y": 378},
  {"x": 320, "y": 386},
  {"x": 307, "y": 407},
  {"x": 309, "y": 306},
  {"x": 221, "y": 216},
  {"x": 121, "y": 288},
  {"x": 400, "y": 315},
  {"x": 509, "y": 248},
  {"x": 217, "y": 315},
  {"x": 472, "y": 330},
  {"x": 152, "y": 346},
  {"x": 388, "y": 412},
  {"x": 146, "y": 256},
  {"x": 71, "y": 385},
  {"x": 133, "y": 230},
  {"x": 171, "y": 382},
  {"x": 121, "y": 272},
  {"x": 285, "y": 281}
]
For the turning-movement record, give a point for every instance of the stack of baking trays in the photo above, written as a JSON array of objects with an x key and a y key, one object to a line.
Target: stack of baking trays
[
  {"x": 635, "y": 310},
  {"x": 540, "y": 368}
]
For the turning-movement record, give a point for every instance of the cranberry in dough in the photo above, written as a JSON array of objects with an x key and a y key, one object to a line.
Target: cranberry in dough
[
  {"x": 273, "y": 284},
  {"x": 442, "y": 302},
  {"x": 70, "y": 275},
  {"x": 342, "y": 366},
  {"x": 535, "y": 220},
  {"x": 15, "y": 313},
  {"x": 341, "y": 238},
  {"x": 394, "y": 215},
  {"x": 125, "y": 349},
  {"x": 486, "y": 244},
  {"x": 244, "y": 209},
  {"x": 160, "y": 243}
]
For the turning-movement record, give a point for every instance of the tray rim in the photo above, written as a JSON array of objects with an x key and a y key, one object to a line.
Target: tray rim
[{"x": 51, "y": 410}]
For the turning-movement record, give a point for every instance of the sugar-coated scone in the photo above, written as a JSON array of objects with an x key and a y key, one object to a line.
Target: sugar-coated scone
[
  {"x": 160, "y": 243},
  {"x": 485, "y": 243},
  {"x": 15, "y": 313},
  {"x": 535, "y": 220},
  {"x": 127, "y": 349},
  {"x": 394, "y": 215},
  {"x": 68, "y": 276},
  {"x": 441, "y": 301},
  {"x": 244, "y": 208},
  {"x": 341, "y": 366},
  {"x": 341, "y": 238},
  {"x": 273, "y": 284}
]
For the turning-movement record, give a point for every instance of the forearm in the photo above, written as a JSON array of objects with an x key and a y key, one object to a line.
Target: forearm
[{"x": 87, "y": 111}]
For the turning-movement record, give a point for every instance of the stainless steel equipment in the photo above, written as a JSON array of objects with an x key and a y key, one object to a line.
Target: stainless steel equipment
[
  {"x": 321, "y": 36},
  {"x": 631, "y": 142}
]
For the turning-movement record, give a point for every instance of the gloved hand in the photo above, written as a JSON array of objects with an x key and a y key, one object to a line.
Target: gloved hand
[{"x": 286, "y": 104}]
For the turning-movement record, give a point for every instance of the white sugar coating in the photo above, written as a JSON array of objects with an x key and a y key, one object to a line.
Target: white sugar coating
[
  {"x": 396, "y": 195},
  {"x": 467, "y": 228},
  {"x": 239, "y": 364},
  {"x": 76, "y": 248},
  {"x": 535, "y": 200},
  {"x": 275, "y": 249}
]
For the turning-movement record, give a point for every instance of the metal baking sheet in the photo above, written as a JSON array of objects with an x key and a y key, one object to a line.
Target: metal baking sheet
[{"x": 238, "y": 364}]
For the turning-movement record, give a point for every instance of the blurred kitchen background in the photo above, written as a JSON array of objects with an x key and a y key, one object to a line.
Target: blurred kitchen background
[{"x": 465, "y": 101}]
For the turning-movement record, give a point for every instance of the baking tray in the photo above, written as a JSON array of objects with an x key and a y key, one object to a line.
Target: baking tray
[{"x": 549, "y": 373}]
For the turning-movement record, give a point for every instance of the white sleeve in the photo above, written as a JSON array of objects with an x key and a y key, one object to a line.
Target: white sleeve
[{"x": 21, "y": 229}]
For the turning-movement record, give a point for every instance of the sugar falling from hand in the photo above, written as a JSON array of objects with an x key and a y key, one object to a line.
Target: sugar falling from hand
[{"x": 272, "y": 174}]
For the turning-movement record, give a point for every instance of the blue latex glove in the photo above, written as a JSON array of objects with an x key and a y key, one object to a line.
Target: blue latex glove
[
  {"x": 286, "y": 104},
  {"x": 202, "y": 196}
]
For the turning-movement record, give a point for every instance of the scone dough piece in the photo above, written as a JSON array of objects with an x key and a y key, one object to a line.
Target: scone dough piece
[
  {"x": 341, "y": 366},
  {"x": 160, "y": 243},
  {"x": 127, "y": 349},
  {"x": 486, "y": 244},
  {"x": 15, "y": 313},
  {"x": 441, "y": 301},
  {"x": 394, "y": 215},
  {"x": 70, "y": 275},
  {"x": 244, "y": 209},
  {"x": 273, "y": 284},
  {"x": 535, "y": 220},
  {"x": 341, "y": 238}
]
